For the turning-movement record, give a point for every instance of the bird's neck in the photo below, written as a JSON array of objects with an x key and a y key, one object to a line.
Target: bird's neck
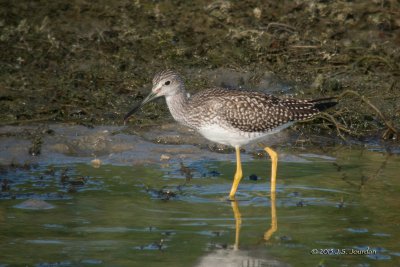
[{"x": 177, "y": 105}]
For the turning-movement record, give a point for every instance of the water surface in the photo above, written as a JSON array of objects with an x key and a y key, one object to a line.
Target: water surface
[{"x": 166, "y": 214}]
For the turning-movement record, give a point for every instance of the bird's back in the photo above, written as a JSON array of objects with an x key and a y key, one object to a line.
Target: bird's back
[{"x": 249, "y": 111}]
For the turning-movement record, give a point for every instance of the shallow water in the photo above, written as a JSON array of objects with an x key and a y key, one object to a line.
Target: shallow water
[{"x": 165, "y": 214}]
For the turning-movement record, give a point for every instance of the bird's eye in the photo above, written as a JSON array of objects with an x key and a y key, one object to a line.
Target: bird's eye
[{"x": 167, "y": 82}]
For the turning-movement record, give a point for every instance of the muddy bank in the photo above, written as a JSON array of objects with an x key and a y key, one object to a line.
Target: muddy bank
[
  {"x": 119, "y": 145},
  {"x": 62, "y": 144},
  {"x": 170, "y": 143},
  {"x": 87, "y": 62}
]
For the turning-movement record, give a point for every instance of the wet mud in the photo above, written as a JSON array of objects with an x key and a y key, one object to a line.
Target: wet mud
[{"x": 87, "y": 63}]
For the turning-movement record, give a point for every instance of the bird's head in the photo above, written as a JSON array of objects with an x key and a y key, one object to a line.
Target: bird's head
[{"x": 165, "y": 83}]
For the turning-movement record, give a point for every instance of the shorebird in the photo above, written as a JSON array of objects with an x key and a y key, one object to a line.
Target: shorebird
[{"x": 232, "y": 117}]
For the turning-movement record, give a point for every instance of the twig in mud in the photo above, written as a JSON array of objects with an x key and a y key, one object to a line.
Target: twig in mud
[
  {"x": 388, "y": 123},
  {"x": 305, "y": 46},
  {"x": 281, "y": 26},
  {"x": 374, "y": 58},
  {"x": 339, "y": 127},
  {"x": 330, "y": 118}
]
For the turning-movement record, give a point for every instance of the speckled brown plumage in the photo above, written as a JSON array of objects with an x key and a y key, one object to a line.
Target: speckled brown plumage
[{"x": 247, "y": 111}]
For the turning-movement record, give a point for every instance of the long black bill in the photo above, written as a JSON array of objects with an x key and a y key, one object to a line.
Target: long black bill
[{"x": 149, "y": 98}]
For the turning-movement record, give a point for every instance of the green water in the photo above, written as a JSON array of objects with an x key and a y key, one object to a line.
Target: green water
[{"x": 117, "y": 218}]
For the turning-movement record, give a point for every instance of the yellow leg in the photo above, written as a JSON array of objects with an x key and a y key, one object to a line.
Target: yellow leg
[
  {"x": 238, "y": 174},
  {"x": 274, "y": 167},
  {"x": 238, "y": 220},
  {"x": 274, "y": 219}
]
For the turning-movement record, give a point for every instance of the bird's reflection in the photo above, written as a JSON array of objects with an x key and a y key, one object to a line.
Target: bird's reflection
[
  {"x": 238, "y": 219},
  {"x": 256, "y": 256}
]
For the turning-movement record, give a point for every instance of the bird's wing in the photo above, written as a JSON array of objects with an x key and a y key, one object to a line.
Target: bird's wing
[
  {"x": 258, "y": 112},
  {"x": 248, "y": 111}
]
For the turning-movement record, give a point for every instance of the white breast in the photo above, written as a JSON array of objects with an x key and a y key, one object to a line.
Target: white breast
[{"x": 234, "y": 137}]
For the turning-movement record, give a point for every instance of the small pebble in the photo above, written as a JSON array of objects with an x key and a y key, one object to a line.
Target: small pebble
[
  {"x": 96, "y": 163},
  {"x": 253, "y": 177},
  {"x": 257, "y": 13},
  {"x": 165, "y": 157},
  {"x": 214, "y": 173},
  {"x": 34, "y": 204}
]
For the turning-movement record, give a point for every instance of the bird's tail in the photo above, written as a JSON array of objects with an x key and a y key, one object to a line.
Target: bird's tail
[{"x": 324, "y": 103}]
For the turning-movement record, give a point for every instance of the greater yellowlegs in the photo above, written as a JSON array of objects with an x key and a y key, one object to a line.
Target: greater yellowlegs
[{"x": 232, "y": 117}]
